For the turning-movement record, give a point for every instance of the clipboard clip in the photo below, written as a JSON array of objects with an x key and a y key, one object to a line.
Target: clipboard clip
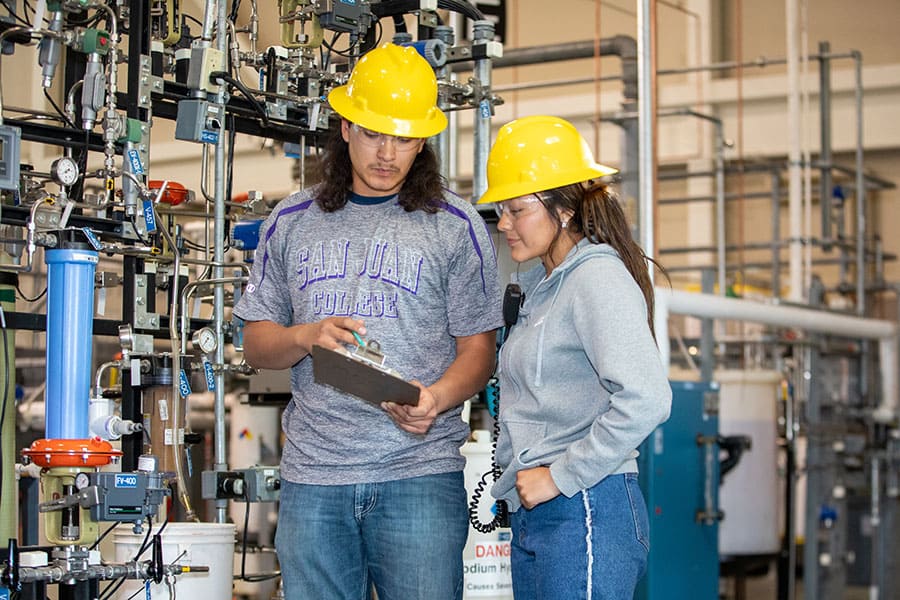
[{"x": 369, "y": 351}]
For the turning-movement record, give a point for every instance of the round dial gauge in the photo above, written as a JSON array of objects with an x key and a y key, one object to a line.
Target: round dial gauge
[
  {"x": 82, "y": 481},
  {"x": 205, "y": 339},
  {"x": 64, "y": 171}
]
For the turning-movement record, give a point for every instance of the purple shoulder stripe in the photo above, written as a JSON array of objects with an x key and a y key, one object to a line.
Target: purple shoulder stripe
[
  {"x": 271, "y": 231},
  {"x": 462, "y": 215}
]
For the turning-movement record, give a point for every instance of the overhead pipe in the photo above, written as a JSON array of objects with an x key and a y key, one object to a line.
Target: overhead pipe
[
  {"x": 886, "y": 333},
  {"x": 623, "y": 46}
]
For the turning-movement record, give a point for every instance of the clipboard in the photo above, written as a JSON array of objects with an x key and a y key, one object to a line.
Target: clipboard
[{"x": 361, "y": 379}]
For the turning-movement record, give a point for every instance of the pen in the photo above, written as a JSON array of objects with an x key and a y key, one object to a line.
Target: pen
[{"x": 359, "y": 340}]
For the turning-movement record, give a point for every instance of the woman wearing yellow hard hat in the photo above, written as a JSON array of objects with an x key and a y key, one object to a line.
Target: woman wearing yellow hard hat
[
  {"x": 373, "y": 493},
  {"x": 581, "y": 382}
]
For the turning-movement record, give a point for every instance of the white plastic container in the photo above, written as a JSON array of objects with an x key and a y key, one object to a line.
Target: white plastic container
[
  {"x": 486, "y": 558},
  {"x": 195, "y": 544},
  {"x": 750, "y": 492}
]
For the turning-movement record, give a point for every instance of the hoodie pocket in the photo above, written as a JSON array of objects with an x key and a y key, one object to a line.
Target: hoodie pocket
[{"x": 523, "y": 437}]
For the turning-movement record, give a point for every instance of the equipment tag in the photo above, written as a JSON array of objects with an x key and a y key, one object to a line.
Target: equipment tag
[{"x": 149, "y": 216}]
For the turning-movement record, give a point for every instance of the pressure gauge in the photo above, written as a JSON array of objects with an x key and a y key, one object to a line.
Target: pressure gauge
[
  {"x": 82, "y": 481},
  {"x": 206, "y": 340},
  {"x": 64, "y": 171}
]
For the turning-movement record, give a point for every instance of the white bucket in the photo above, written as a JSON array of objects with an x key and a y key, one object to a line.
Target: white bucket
[
  {"x": 195, "y": 544},
  {"x": 749, "y": 493},
  {"x": 486, "y": 557}
]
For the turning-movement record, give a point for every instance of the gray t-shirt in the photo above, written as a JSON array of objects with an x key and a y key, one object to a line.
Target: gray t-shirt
[{"x": 417, "y": 280}]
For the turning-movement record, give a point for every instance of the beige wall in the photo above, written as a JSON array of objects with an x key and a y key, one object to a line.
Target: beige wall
[{"x": 753, "y": 109}]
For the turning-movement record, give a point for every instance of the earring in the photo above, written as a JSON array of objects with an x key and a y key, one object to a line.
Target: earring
[{"x": 564, "y": 224}]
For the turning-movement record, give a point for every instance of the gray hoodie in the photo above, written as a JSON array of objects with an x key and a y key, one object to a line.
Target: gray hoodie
[{"x": 581, "y": 382}]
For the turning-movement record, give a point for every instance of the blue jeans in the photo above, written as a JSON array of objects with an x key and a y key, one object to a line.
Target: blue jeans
[
  {"x": 405, "y": 537},
  {"x": 592, "y": 546}
]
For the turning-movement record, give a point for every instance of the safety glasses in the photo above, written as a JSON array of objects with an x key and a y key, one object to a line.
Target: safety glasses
[
  {"x": 373, "y": 139},
  {"x": 517, "y": 207}
]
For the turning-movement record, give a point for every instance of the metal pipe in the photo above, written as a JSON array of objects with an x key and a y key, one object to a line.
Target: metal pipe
[
  {"x": 646, "y": 66},
  {"x": 776, "y": 233},
  {"x": 815, "y": 321},
  {"x": 825, "y": 140},
  {"x": 761, "y": 63},
  {"x": 720, "y": 189},
  {"x": 221, "y": 458},
  {"x": 860, "y": 192},
  {"x": 790, "y": 500},
  {"x": 795, "y": 173},
  {"x": 187, "y": 292},
  {"x": 483, "y": 31},
  {"x": 30, "y": 245},
  {"x": 109, "y": 136},
  {"x": 620, "y": 45},
  {"x": 720, "y": 205},
  {"x": 445, "y": 34},
  {"x": 877, "y": 531},
  {"x": 98, "y": 389}
]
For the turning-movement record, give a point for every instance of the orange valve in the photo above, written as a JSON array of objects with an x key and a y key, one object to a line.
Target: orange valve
[
  {"x": 93, "y": 452},
  {"x": 175, "y": 193}
]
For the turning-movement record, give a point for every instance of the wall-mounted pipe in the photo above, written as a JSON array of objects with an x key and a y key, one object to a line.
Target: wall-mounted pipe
[
  {"x": 860, "y": 191},
  {"x": 620, "y": 45},
  {"x": 795, "y": 243},
  {"x": 825, "y": 142},
  {"x": 646, "y": 67},
  {"x": 886, "y": 333}
]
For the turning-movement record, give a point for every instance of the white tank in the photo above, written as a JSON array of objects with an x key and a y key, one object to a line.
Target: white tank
[
  {"x": 194, "y": 544},
  {"x": 486, "y": 558},
  {"x": 750, "y": 492}
]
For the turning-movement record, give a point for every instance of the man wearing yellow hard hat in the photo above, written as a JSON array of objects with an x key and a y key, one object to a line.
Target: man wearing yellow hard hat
[{"x": 373, "y": 494}]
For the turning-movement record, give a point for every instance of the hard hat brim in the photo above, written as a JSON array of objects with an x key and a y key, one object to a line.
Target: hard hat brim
[
  {"x": 434, "y": 123},
  {"x": 502, "y": 193}
]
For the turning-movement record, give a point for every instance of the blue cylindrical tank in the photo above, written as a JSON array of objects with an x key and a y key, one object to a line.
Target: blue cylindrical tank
[{"x": 70, "y": 314}]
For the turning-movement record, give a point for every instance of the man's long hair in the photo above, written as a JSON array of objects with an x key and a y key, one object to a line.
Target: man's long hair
[{"x": 422, "y": 189}]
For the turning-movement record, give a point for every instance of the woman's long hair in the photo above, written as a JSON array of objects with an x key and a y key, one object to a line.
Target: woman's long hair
[
  {"x": 422, "y": 189},
  {"x": 597, "y": 215}
]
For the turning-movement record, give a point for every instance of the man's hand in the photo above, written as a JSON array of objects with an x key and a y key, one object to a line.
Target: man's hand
[
  {"x": 329, "y": 333},
  {"x": 268, "y": 345},
  {"x": 535, "y": 486},
  {"x": 414, "y": 419}
]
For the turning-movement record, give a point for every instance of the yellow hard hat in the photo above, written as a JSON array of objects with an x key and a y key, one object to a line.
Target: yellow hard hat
[
  {"x": 391, "y": 90},
  {"x": 538, "y": 153}
]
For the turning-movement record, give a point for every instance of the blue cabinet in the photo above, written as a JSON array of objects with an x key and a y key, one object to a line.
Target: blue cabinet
[{"x": 679, "y": 475}]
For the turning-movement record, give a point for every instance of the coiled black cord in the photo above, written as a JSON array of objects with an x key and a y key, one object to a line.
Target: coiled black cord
[
  {"x": 513, "y": 299},
  {"x": 500, "y": 511}
]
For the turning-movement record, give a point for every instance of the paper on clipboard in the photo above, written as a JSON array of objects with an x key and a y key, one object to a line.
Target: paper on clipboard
[{"x": 361, "y": 379}]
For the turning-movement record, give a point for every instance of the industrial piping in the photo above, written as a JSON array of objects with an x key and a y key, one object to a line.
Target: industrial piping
[{"x": 715, "y": 307}]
